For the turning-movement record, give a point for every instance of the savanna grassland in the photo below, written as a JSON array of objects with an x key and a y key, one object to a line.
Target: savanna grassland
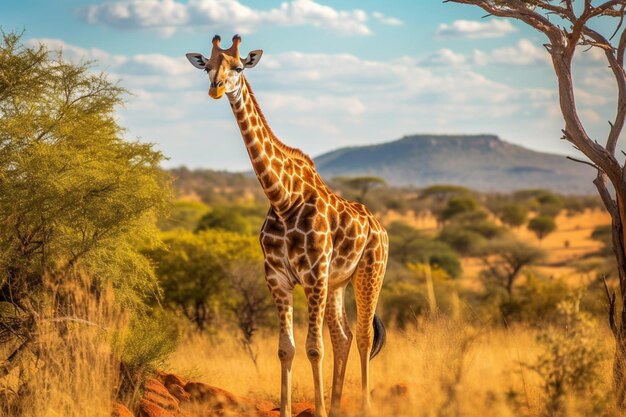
[
  {"x": 470, "y": 357},
  {"x": 113, "y": 270}
]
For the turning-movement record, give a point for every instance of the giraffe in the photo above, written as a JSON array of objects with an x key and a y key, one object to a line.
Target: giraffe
[{"x": 311, "y": 237}]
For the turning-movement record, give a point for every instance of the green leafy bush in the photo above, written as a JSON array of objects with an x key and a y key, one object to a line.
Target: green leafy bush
[
  {"x": 409, "y": 245},
  {"x": 542, "y": 226}
]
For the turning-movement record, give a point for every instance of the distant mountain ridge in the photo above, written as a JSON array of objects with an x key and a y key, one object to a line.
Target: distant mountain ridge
[{"x": 480, "y": 162}]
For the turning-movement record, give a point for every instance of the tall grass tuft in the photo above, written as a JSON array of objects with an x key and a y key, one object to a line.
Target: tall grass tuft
[{"x": 69, "y": 368}]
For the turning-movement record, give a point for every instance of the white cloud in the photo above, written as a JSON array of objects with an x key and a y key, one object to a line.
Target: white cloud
[
  {"x": 444, "y": 57},
  {"x": 524, "y": 53},
  {"x": 386, "y": 20},
  {"x": 590, "y": 116},
  {"x": 471, "y": 29},
  {"x": 351, "y": 106},
  {"x": 589, "y": 56},
  {"x": 600, "y": 80},
  {"x": 168, "y": 16}
]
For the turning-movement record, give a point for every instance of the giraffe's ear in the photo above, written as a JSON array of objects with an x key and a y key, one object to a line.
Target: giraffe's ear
[
  {"x": 253, "y": 58},
  {"x": 197, "y": 60}
]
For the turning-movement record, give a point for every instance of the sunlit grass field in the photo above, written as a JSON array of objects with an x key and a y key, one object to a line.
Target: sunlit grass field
[
  {"x": 441, "y": 368},
  {"x": 438, "y": 367}
]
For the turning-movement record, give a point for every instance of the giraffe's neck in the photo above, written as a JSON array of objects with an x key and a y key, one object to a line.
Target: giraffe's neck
[{"x": 272, "y": 160}]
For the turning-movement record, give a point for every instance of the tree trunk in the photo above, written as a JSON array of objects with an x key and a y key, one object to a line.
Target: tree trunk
[
  {"x": 619, "y": 368},
  {"x": 617, "y": 210}
]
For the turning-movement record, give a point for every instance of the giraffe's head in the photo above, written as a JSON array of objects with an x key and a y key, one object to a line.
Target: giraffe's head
[{"x": 224, "y": 66}]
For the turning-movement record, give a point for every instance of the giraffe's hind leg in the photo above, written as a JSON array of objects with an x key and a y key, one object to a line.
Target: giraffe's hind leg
[
  {"x": 367, "y": 282},
  {"x": 341, "y": 338}
]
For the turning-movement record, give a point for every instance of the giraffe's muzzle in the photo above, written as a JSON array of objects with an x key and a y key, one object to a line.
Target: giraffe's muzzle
[{"x": 217, "y": 91}]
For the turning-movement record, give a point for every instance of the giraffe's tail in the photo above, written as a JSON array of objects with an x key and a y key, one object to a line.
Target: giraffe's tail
[{"x": 380, "y": 336}]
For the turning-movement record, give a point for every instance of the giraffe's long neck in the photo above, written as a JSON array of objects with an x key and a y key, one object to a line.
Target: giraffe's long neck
[{"x": 271, "y": 159}]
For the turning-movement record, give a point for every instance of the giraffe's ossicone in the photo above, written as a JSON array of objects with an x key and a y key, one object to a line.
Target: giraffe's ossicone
[{"x": 311, "y": 237}]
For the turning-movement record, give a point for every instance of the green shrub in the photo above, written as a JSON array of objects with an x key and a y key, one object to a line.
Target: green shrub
[
  {"x": 458, "y": 205},
  {"x": 143, "y": 347},
  {"x": 536, "y": 302},
  {"x": 402, "y": 302},
  {"x": 461, "y": 239},
  {"x": 409, "y": 245},
  {"x": 571, "y": 357},
  {"x": 513, "y": 215},
  {"x": 184, "y": 215},
  {"x": 542, "y": 226}
]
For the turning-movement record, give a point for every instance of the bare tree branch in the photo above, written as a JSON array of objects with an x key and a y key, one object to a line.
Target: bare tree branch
[
  {"x": 13, "y": 360},
  {"x": 584, "y": 162},
  {"x": 620, "y": 78}
]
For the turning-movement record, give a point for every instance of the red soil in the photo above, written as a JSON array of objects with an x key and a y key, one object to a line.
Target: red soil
[{"x": 169, "y": 395}]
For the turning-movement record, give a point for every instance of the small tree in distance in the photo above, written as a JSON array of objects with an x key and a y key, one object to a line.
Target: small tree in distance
[
  {"x": 542, "y": 226},
  {"x": 362, "y": 184},
  {"x": 505, "y": 258},
  {"x": 514, "y": 215},
  {"x": 458, "y": 205},
  {"x": 567, "y": 28}
]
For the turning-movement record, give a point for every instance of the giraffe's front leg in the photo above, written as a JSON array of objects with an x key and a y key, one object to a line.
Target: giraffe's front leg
[
  {"x": 315, "y": 344},
  {"x": 283, "y": 298}
]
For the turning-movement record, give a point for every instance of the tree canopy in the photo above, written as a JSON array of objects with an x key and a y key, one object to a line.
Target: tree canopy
[
  {"x": 542, "y": 226},
  {"x": 75, "y": 193},
  {"x": 195, "y": 269}
]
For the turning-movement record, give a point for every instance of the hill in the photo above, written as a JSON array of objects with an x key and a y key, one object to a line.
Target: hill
[{"x": 480, "y": 162}]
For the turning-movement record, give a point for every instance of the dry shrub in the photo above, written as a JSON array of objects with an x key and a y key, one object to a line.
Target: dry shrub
[
  {"x": 69, "y": 369},
  {"x": 570, "y": 364}
]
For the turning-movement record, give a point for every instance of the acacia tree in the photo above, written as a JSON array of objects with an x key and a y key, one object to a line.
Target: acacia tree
[
  {"x": 74, "y": 195},
  {"x": 504, "y": 260},
  {"x": 542, "y": 226},
  {"x": 362, "y": 184},
  {"x": 571, "y": 29}
]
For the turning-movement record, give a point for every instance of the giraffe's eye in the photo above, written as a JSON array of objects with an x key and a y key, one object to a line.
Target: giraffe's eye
[{"x": 239, "y": 69}]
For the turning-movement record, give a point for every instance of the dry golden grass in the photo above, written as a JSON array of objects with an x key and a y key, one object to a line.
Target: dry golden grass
[
  {"x": 446, "y": 368},
  {"x": 75, "y": 373}
]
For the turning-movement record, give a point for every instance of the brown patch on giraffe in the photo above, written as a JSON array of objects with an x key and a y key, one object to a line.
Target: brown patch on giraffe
[
  {"x": 254, "y": 152},
  {"x": 260, "y": 164},
  {"x": 295, "y": 243},
  {"x": 297, "y": 184},
  {"x": 273, "y": 226},
  {"x": 244, "y": 125},
  {"x": 268, "y": 179},
  {"x": 269, "y": 150},
  {"x": 274, "y": 193}
]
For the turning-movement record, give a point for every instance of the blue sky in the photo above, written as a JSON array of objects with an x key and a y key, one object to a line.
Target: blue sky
[{"x": 334, "y": 73}]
